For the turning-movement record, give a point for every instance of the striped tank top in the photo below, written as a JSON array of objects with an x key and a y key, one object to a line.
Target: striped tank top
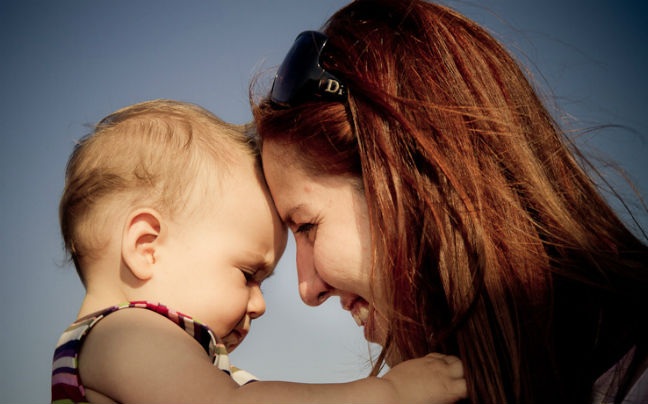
[{"x": 66, "y": 384}]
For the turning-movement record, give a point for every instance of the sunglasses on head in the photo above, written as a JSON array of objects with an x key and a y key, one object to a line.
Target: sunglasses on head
[{"x": 301, "y": 77}]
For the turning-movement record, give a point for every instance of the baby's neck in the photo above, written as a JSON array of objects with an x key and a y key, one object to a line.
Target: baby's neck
[
  {"x": 108, "y": 283},
  {"x": 93, "y": 303}
]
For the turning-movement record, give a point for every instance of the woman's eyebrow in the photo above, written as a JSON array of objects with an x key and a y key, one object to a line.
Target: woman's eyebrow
[{"x": 288, "y": 217}]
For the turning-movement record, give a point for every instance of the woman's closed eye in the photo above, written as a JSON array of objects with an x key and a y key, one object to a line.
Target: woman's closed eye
[
  {"x": 307, "y": 231},
  {"x": 305, "y": 228}
]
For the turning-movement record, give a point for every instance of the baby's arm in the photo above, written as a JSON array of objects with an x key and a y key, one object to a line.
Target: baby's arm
[
  {"x": 435, "y": 378},
  {"x": 138, "y": 356}
]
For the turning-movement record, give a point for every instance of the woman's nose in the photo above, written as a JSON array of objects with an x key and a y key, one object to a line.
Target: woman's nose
[
  {"x": 256, "y": 303},
  {"x": 312, "y": 288}
]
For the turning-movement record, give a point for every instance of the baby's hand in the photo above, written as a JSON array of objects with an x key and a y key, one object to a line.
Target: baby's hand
[{"x": 434, "y": 378}]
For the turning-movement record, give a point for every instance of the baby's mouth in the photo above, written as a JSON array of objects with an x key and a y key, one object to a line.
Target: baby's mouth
[{"x": 237, "y": 335}]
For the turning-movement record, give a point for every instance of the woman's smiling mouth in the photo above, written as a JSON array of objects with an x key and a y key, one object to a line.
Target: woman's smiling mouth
[
  {"x": 359, "y": 309},
  {"x": 365, "y": 316},
  {"x": 360, "y": 314}
]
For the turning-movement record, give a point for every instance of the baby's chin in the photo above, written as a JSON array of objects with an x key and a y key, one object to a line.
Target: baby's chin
[
  {"x": 233, "y": 340},
  {"x": 231, "y": 347}
]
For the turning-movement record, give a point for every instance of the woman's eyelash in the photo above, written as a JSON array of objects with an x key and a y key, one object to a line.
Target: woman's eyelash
[{"x": 304, "y": 228}]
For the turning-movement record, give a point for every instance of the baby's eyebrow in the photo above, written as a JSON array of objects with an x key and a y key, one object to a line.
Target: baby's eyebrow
[
  {"x": 262, "y": 266},
  {"x": 265, "y": 270}
]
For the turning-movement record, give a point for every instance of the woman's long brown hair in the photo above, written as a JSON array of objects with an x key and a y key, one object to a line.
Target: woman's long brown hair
[{"x": 494, "y": 242}]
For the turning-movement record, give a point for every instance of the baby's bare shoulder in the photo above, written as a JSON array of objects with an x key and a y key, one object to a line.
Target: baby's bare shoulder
[{"x": 136, "y": 355}]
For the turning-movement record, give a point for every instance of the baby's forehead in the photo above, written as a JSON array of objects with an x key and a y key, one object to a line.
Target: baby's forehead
[{"x": 227, "y": 176}]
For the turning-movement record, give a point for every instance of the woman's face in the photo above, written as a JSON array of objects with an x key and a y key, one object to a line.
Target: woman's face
[{"x": 328, "y": 217}]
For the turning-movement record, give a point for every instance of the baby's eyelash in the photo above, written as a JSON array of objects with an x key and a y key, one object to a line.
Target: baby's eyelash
[
  {"x": 248, "y": 274},
  {"x": 257, "y": 274}
]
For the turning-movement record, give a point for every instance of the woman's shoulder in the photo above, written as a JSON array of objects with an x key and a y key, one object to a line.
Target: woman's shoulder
[{"x": 606, "y": 385}]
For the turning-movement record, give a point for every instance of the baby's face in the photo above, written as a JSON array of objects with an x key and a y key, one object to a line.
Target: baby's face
[{"x": 223, "y": 253}]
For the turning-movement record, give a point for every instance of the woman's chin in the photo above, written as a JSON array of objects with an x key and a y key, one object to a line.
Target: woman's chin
[
  {"x": 393, "y": 358},
  {"x": 375, "y": 331},
  {"x": 375, "y": 328}
]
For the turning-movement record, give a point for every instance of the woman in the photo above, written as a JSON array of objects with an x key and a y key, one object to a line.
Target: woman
[{"x": 429, "y": 188}]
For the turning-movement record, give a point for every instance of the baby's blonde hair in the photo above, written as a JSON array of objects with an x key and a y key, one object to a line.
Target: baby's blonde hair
[{"x": 145, "y": 154}]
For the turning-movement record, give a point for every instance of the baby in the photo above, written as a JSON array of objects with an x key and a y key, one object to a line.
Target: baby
[{"x": 169, "y": 223}]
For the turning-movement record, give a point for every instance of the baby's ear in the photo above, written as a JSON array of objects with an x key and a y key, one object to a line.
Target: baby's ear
[{"x": 140, "y": 242}]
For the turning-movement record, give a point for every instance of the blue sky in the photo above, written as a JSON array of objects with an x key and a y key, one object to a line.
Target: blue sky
[{"x": 66, "y": 64}]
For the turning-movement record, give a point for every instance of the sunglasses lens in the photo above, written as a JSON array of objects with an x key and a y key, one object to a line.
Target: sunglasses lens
[{"x": 299, "y": 69}]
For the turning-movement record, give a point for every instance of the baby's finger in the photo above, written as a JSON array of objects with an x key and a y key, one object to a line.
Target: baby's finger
[
  {"x": 454, "y": 364},
  {"x": 443, "y": 357},
  {"x": 455, "y": 367},
  {"x": 458, "y": 387}
]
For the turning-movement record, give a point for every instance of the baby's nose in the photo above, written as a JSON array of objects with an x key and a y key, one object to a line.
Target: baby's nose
[{"x": 256, "y": 304}]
